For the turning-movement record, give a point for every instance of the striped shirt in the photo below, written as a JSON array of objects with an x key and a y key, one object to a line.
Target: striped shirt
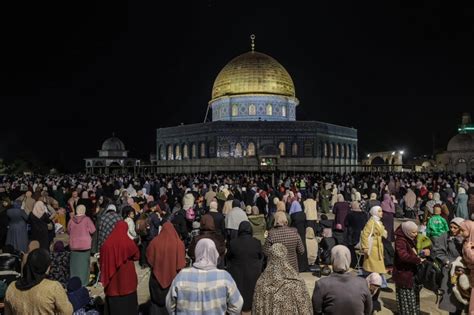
[{"x": 195, "y": 291}]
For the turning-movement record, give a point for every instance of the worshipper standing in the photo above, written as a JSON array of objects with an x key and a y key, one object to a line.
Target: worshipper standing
[
  {"x": 259, "y": 225},
  {"x": 372, "y": 245},
  {"x": 80, "y": 229},
  {"x": 17, "y": 234},
  {"x": 324, "y": 196},
  {"x": 372, "y": 202},
  {"x": 244, "y": 263},
  {"x": 467, "y": 232},
  {"x": 404, "y": 269},
  {"x": 204, "y": 289},
  {"x": 461, "y": 204},
  {"x": 311, "y": 210},
  {"x": 298, "y": 221},
  {"x": 280, "y": 208},
  {"x": 355, "y": 222},
  {"x": 388, "y": 208},
  {"x": 341, "y": 210},
  {"x": 117, "y": 271},
  {"x": 39, "y": 222},
  {"x": 280, "y": 289},
  {"x": 166, "y": 256},
  {"x": 219, "y": 220},
  {"x": 289, "y": 237},
  {"x": 446, "y": 248},
  {"x": 33, "y": 293},
  {"x": 233, "y": 219},
  {"x": 107, "y": 223},
  {"x": 129, "y": 214},
  {"x": 311, "y": 246},
  {"x": 208, "y": 230},
  {"x": 60, "y": 263},
  {"x": 327, "y": 298},
  {"x": 374, "y": 281}
]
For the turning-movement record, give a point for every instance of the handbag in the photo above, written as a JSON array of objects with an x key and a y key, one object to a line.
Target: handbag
[{"x": 370, "y": 240}]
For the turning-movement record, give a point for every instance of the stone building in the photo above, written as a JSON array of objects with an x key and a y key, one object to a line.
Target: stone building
[
  {"x": 459, "y": 156},
  {"x": 112, "y": 159},
  {"x": 254, "y": 128}
]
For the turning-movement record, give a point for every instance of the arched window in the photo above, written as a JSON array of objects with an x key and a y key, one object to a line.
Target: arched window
[
  {"x": 252, "y": 110},
  {"x": 325, "y": 150},
  {"x": 337, "y": 150},
  {"x": 343, "y": 151},
  {"x": 162, "y": 153},
  {"x": 282, "y": 148},
  {"x": 294, "y": 149},
  {"x": 235, "y": 110},
  {"x": 251, "y": 149},
  {"x": 224, "y": 149},
  {"x": 348, "y": 152},
  {"x": 283, "y": 111},
  {"x": 238, "y": 150},
  {"x": 331, "y": 152},
  {"x": 170, "y": 152},
  {"x": 194, "y": 151},
  {"x": 177, "y": 152},
  {"x": 185, "y": 152},
  {"x": 269, "y": 110},
  {"x": 203, "y": 149}
]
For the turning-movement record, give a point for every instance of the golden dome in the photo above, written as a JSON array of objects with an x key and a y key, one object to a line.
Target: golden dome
[{"x": 253, "y": 73}]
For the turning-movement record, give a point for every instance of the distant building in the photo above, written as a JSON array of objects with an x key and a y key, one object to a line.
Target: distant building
[
  {"x": 384, "y": 161},
  {"x": 112, "y": 159},
  {"x": 254, "y": 128},
  {"x": 459, "y": 156}
]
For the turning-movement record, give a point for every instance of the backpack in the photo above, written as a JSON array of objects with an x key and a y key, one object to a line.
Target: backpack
[
  {"x": 429, "y": 275},
  {"x": 190, "y": 214},
  {"x": 142, "y": 226}
]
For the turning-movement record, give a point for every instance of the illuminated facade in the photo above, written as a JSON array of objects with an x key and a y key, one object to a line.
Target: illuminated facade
[{"x": 254, "y": 128}]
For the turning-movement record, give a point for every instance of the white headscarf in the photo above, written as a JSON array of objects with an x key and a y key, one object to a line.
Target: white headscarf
[
  {"x": 80, "y": 210},
  {"x": 374, "y": 213},
  {"x": 39, "y": 209},
  {"x": 340, "y": 258},
  {"x": 206, "y": 255}
]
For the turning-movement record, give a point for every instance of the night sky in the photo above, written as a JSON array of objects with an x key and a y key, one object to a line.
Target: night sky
[{"x": 74, "y": 72}]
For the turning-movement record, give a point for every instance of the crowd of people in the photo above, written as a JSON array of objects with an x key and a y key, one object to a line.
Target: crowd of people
[{"x": 233, "y": 243}]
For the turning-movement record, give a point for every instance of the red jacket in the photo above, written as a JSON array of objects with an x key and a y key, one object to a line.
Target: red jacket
[{"x": 404, "y": 266}]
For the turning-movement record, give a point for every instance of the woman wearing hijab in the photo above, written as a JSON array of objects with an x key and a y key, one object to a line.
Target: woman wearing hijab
[
  {"x": 31, "y": 247},
  {"x": 289, "y": 237},
  {"x": 355, "y": 222},
  {"x": 298, "y": 221},
  {"x": 39, "y": 221},
  {"x": 374, "y": 281},
  {"x": 117, "y": 271},
  {"x": 166, "y": 256},
  {"x": 446, "y": 248},
  {"x": 208, "y": 230},
  {"x": 60, "y": 263},
  {"x": 244, "y": 263},
  {"x": 311, "y": 246},
  {"x": 388, "y": 208},
  {"x": 467, "y": 232},
  {"x": 327, "y": 297},
  {"x": 204, "y": 289},
  {"x": 280, "y": 289},
  {"x": 259, "y": 225},
  {"x": 372, "y": 202},
  {"x": 33, "y": 293},
  {"x": 371, "y": 242},
  {"x": 404, "y": 269},
  {"x": 80, "y": 229},
  {"x": 341, "y": 210},
  {"x": 461, "y": 204},
  {"x": 17, "y": 234}
]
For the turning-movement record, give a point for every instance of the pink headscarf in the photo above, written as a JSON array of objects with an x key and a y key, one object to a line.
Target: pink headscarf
[{"x": 468, "y": 225}]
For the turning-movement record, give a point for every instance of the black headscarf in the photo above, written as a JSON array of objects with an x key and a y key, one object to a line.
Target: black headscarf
[
  {"x": 34, "y": 271},
  {"x": 245, "y": 228}
]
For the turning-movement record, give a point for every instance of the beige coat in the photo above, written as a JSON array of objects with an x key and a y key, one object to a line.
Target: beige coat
[
  {"x": 311, "y": 246},
  {"x": 374, "y": 261},
  {"x": 310, "y": 209}
]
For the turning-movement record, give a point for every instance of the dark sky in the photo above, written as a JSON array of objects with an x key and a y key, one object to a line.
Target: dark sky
[{"x": 74, "y": 72}]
